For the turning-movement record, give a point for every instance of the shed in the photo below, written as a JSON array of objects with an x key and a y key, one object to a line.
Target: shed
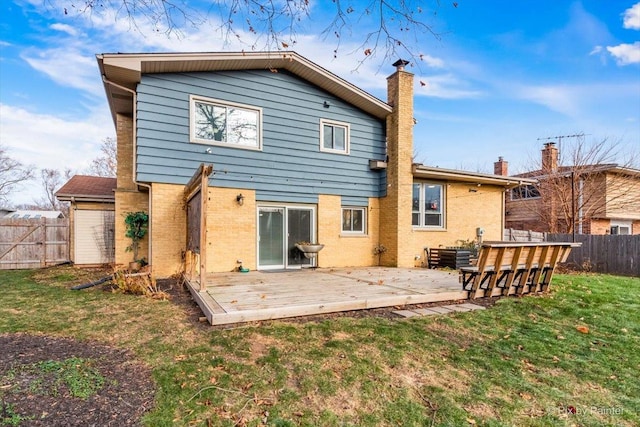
[{"x": 92, "y": 219}]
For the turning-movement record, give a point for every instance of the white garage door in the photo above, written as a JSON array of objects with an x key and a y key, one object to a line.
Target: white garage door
[{"x": 94, "y": 237}]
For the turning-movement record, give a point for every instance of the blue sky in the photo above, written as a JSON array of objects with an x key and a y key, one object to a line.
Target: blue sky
[{"x": 501, "y": 75}]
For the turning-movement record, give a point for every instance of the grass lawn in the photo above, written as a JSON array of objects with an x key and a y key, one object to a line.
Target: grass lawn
[{"x": 568, "y": 358}]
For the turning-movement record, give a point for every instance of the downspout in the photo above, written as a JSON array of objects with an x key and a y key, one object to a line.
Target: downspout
[{"x": 135, "y": 144}]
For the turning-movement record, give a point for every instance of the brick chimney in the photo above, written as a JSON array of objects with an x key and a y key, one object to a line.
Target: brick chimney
[
  {"x": 550, "y": 157},
  {"x": 501, "y": 167},
  {"x": 395, "y": 207}
]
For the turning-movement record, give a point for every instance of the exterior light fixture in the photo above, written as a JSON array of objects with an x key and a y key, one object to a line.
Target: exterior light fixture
[
  {"x": 326, "y": 104},
  {"x": 240, "y": 199}
]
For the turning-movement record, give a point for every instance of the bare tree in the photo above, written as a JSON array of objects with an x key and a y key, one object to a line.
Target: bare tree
[
  {"x": 396, "y": 29},
  {"x": 106, "y": 163},
  {"x": 582, "y": 184},
  {"x": 52, "y": 180},
  {"x": 12, "y": 173}
]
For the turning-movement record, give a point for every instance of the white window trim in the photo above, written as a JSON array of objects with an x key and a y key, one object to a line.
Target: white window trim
[
  {"x": 421, "y": 212},
  {"x": 364, "y": 221},
  {"x": 192, "y": 128},
  {"x": 347, "y": 143},
  {"x": 627, "y": 224}
]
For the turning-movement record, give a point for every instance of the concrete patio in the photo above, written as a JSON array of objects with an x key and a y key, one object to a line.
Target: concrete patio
[{"x": 260, "y": 295}]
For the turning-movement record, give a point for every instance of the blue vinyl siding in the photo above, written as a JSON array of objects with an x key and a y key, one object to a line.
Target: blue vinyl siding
[{"x": 290, "y": 166}]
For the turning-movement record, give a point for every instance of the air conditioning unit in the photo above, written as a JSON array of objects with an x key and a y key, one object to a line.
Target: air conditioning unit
[{"x": 377, "y": 165}]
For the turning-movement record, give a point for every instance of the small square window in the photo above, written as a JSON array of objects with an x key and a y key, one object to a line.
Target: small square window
[
  {"x": 353, "y": 220},
  {"x": 334, "y": 137}
]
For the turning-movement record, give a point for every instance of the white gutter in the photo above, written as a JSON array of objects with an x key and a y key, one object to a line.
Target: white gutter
[
  {"x": 421, "y": 171},
  {"x": 134, "y": 145}
]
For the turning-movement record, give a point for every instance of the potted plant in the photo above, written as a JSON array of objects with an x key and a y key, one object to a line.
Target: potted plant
[
  {"x": 137, "y": 225},
  {"x": 309, "y": 249}
]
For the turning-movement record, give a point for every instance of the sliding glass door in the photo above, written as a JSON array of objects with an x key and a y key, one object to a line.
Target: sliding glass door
[
  {"x": 271, "y": 238},
  {"x": 299, "y": 228},
  {"x": 279, "y": 229}
]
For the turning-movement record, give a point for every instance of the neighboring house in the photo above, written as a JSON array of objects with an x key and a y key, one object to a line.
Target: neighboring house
[
  {"x": 4, "y": 212},
  {"x": 298, "y": 154},
  {"x": 92, "y": 220},
  {"x": 587, "y": 199},
  {"x": 33, "y": 214}
]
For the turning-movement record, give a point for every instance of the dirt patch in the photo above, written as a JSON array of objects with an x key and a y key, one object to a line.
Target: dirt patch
[
  {"x": 124, "y": 393},
  {"x": 180, "y": 296}
]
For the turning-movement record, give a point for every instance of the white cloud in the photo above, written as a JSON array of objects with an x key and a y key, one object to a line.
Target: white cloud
[
  {"x": 67, "y": 67},
  {"x": 48, "y": 141},
  {"x": 626, "y": 54},
  {"x": 579, "y": 101},
  {"x": 432, "y": 61},
  {"x": 64, "y": 28},
  {"x": 596, "y": 50},
  {"x": 559, "y": 98},
  {"x": 631, "y": 18},
  {"x": 446, "y": 86}
]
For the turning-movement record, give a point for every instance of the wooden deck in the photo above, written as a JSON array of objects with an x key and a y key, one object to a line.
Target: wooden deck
[{"x": 247, "y": 297}]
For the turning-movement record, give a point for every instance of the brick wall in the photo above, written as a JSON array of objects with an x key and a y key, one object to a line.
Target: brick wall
[
  {"x": 345, "y": 250},
  {"x": 127, "y": 196},
  {"x": 129, "y": 201},
  {"x": 231, "y": 230},
  {"x": 465, "y": 211},
  {"x": 169, "y": 225},
  {"x": 395, "y": 207},
  {"x": 124, "y": 136}
]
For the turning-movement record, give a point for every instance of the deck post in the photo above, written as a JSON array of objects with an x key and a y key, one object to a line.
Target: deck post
[
  {"x": 204, "y": 199},
  {"x": 198, "y": 184}
]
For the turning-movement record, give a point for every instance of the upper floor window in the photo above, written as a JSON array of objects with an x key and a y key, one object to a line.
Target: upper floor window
[
  {"x": 334, "y": 137},
  {"x": 217, "y": 122},
  {"x": 525, "y": 192},
  {"x": 353, "y": 220},
  {"x": 428, "y": 205}
]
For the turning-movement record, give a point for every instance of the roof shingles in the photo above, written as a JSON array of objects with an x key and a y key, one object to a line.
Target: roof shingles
[{"x": 84, "y": 186}]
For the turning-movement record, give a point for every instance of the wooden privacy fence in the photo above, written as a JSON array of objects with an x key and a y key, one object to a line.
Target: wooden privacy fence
[
  {"x": 511, "y": 235},
  {"x": 33, "y": 243},
  {"x": 617, "y": 254}
]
